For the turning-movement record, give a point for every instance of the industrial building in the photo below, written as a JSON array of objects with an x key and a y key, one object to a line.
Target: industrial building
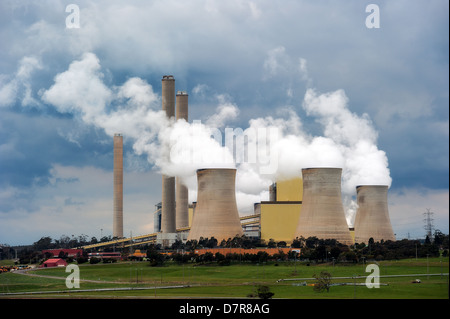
[
  {"x": 279, "y": 216},
  {"x": 307, "y": 205}
]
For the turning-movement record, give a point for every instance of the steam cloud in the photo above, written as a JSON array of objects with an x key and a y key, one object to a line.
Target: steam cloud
[{"x": 349, "y": 141}]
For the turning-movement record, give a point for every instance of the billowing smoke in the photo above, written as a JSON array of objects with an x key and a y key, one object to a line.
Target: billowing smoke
[{"x": 269, "y": 149}]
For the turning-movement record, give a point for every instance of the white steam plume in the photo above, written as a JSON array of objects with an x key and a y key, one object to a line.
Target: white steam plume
[{"x": 134, "y": 109}]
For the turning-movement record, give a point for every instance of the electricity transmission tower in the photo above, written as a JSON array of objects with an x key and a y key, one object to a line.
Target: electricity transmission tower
[{"x": 428, "y": 220}]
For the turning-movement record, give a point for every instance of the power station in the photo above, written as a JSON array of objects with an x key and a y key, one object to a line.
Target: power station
[{"x": 309, "y": 204}]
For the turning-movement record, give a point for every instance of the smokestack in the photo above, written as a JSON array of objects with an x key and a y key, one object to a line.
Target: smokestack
[
  {"x": 273, "y": 192},
  {"x": 322, "y": 213},
  {"x": 118, "y": 186},
  {"x": 168, "y": 182},
  {"x": 182, "y": 204},
  {"x": 216, "y": 213},
  {"x": 372, "y": 217}
]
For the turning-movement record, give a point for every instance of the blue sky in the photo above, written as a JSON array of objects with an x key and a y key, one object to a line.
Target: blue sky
[{"x": 65, "y": 91}]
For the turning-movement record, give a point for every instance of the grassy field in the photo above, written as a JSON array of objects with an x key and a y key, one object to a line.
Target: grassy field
[{"x": 237, "y": 280}]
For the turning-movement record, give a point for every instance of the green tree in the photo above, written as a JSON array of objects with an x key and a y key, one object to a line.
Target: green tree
[
  {"x": 155, "y": 257},
  {"x": 298, "y": 242},
  {"x": 207, "y": 257},
  {"x": 323, "y": 281},
  {"x": 262, "y": 256},
  {"x": 264, "y": 292},
  {"x": 43, "y": 243},
  {"x": 272, "y": 243}
]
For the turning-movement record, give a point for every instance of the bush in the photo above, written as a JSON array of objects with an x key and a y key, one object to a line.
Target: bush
[
  {"x": 155, "y": 258},
  {"x": 323, "y": 281},
  {"x": 109, "y": 260},
  {"x": 264, "y": 292}
]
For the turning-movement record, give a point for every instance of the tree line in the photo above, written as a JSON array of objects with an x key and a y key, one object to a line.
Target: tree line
[{"x": 311, "y": 249}]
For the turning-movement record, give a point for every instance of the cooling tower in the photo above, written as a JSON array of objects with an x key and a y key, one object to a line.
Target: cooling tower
[
  {"x": 322, "y": 214},
  {"x": 216, "y": 213},
  {"x": 372, "y": 217},
  {"x": 168, "y": 182},
  {"x": 118, "y": 186},
  {"x": 182, "y": 205}
]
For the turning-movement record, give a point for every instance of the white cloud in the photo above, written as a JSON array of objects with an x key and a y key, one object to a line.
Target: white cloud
[
  {"x": 19, "y": 87},
  {"x": 200, "y": 89},
  {"x": 226, "y": 111},
  {"x": 80, "y": 89},
  {"x": 275, "y": 62}
]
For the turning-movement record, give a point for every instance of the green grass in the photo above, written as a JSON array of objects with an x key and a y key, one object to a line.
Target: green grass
[{"x": 237, "y": 280}]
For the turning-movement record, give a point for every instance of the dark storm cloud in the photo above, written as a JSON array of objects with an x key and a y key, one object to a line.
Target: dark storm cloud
[{"x": 31, "y": 144}]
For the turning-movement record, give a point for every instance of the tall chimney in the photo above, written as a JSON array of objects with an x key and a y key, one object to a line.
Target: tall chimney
[
  {"x": 182, "y": 202},
  {"x": 273, "y": 192},
  {"x": 372, "y": 216},
  {"x": 168, "y": 182},
  {"x": 322, "y": 213},
  {"x": 216, "y": 213},
  {"x": 118, "y": 186}
]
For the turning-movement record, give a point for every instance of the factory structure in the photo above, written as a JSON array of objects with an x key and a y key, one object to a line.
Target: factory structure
[{"x": 307, "y": 205}]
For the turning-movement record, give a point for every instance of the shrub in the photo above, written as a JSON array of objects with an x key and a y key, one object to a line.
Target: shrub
[{"x": 264, "y": 292}]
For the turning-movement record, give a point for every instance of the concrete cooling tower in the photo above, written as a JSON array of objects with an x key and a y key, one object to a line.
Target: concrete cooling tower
[
  {"x": 118, "y": 186},
  {"x": 322, "y": 213},
  {"x": 216, "y": 213},
  {"x": 372, "y": 217}
]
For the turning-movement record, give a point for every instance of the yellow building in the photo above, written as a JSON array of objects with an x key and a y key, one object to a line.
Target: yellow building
[
  {"x": 352, "y": 233},
  {"x": 279, "y": 218},
  {"x": 289, "y": 190}
]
